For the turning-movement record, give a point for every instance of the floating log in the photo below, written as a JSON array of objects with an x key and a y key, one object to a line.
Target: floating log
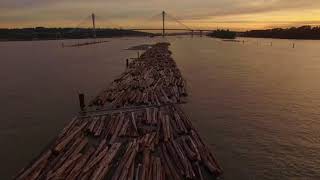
[
  {"x": 151, "y": 79},
  {"x": 145, "y": 135}
]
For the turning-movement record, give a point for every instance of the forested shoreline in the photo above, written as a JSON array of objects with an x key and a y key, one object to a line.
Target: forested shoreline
[
  {"x": 41, "y": 33},
  {"x": 303, "y": 32}
]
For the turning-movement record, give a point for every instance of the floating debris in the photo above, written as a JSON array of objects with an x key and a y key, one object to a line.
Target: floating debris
[
  {"x": 141, "y": 47},
  {"x": 84, "y": 44},
  {"x": 231, "y": 40}
]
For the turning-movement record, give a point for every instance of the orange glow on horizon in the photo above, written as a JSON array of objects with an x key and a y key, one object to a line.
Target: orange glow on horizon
[{"x": 254, "y": 15}]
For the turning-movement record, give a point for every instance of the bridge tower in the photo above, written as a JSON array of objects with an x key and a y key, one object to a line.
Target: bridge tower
[
  {"x": 94, "y": 25},
  {"x": 163, "y": 19}
]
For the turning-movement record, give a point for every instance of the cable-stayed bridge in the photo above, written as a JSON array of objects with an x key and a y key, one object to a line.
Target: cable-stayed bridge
[{"x": 164, "y": 25}]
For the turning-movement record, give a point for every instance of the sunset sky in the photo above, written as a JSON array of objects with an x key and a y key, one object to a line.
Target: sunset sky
[{"x": 207, "y": 14}]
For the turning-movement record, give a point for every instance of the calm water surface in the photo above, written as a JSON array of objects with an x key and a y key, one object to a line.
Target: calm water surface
[{"x": 256, "y": 105}]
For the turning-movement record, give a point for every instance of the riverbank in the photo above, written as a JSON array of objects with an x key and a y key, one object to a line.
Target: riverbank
[
  {"x": 42, "y": 33},
  {"x": 299, "y": 33}
]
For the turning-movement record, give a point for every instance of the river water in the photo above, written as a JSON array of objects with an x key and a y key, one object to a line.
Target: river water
[{"x": 256, "y": 104}]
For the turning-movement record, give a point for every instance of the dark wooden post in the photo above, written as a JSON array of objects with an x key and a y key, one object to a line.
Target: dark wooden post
[
  {"x": 163, "y": 19},
  {"x": 93, "y": 16},
  {"x": 81, "y": 101},
  {"x": 127, "y": 63}
]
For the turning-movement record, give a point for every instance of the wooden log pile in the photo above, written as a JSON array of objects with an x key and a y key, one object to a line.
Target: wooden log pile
[
  {"x": 152, "y": 143},
  {"x": 152, "y": 79}
]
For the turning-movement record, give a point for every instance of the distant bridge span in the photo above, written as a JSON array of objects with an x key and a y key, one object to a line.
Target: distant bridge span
[
  {"x": 163, "y": 29},
  {"x": 167, "y": 29}
]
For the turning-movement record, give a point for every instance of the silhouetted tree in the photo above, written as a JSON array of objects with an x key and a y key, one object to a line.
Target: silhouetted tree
[
  {"x": 224, "y": 34},
  {"x": 42, "y": 33},
  {"x": 303, "y": 32}
]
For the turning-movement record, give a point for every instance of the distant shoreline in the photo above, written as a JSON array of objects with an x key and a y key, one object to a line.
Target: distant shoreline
[
  {"x": 279, "y": 38},
  {"x": 48, "y": 34},
  {"x": 42, "y": 33},
  {"x": 26, "y": 40},
  {"x": 293, "y": 33}
]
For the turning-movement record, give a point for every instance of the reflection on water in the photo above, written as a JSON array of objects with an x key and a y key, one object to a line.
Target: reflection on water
[
  {"x": 38, "y": 90},
  {"x": 257, "y": 105}
]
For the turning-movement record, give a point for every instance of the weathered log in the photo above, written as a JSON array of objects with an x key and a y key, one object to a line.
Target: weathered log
[
  {"x": 170, "y": 169},
  {"x": 68, "y": 163},
  {"x": 145, "y": 165},
  {"x": 126, "y": 162},
  {"x": 68, "y": 127},
  {"x": 65, "y": 141},
  {"x": 158, "y": 169},
  {"x": 199, "y": 171},
  {"x": 98, "y": 128},
  {"x": 38, "y": 163},
  {"x": 104, "y": 166},
  {"x": 96, "y": 160},
  {"x": 138, "y": 170},
  {"x": 117, "y": 130},
  {"x": 61, "y": 158},
  {"x": 131, "y": 172},
  {"x": 77, "y": 169}
]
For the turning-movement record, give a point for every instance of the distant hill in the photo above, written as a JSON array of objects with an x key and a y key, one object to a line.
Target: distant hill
[
  {"x": 41, "y": 33},
  {"x": 223, "y": 34},
  {"x": 303, "y": 32}
]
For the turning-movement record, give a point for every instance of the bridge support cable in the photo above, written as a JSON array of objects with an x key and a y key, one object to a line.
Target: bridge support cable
[
  {"x": 178, "y": 21},
  {"x": 83, "y": 21},
  {"x": 151, "y": 19},
  {"x": 154, "y": 17},
  {"x": 106, "y": 21}
]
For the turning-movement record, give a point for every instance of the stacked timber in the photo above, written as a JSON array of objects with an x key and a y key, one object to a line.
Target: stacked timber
[
  {"x": 152, "y": 79},
  {"x": 149, "y": 143}
]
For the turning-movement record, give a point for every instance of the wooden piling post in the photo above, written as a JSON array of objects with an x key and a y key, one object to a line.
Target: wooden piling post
[
  {"x": 293, "y": 45},
  {"x": 81, "y": 101},
  {"x": 138, "y": 53},
  {"x": 127, "y": 64}
]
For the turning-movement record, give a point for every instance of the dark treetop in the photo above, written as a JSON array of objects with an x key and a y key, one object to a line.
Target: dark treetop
[
  {"x": 223, "y": 34},
  {"x": 303, "y": 32},
  {"x": 41, "y": 33}
]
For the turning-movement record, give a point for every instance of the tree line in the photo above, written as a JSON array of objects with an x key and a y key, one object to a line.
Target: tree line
[
  {"x": 41, "y": 33},
  {"x": 303, "y": 32}
]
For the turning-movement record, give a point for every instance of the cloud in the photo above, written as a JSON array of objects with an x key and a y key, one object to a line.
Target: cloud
[
  {"x": 21, "y": 11},
  {"x": 249, "y": 7}
]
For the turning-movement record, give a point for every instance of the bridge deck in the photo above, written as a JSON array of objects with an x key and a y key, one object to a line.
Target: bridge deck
[
  {"x": 144, "y": 136},
  {"x": 168, "y": 29}
]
